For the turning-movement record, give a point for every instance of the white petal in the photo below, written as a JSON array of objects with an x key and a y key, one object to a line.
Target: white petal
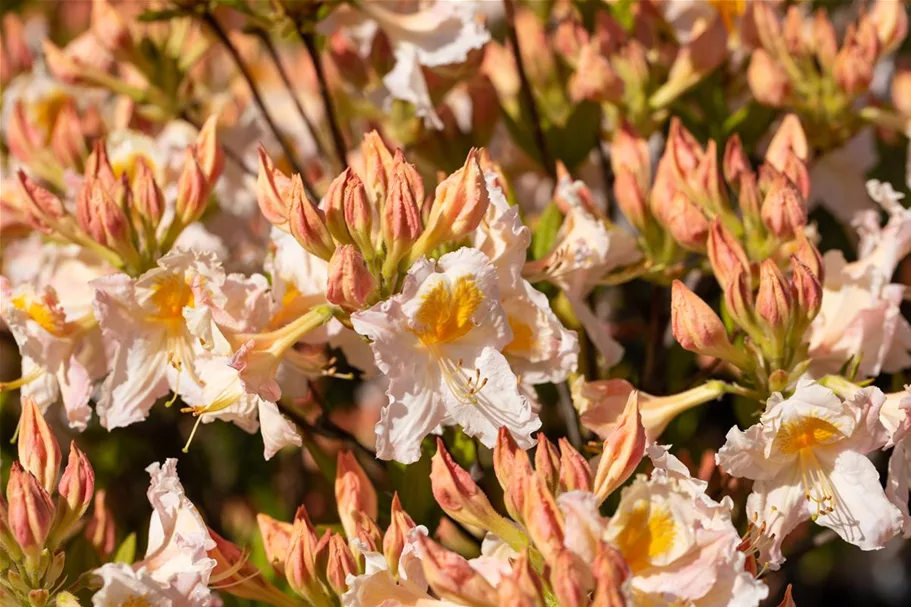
[
  {"x": 898, "y": 485},
  {"x": 277, "y": 431},
  {"x": 781, "y": 505},
  {"x": 414, "y": 410}
]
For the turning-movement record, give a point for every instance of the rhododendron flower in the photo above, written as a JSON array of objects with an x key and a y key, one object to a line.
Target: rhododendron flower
[
  {"x": 440, "y": 344},
  {"x": 176, "y": 568},
  {"x": 161, "y": 321},
  {"x": 896, "y": 417},
  {"x": 680, "y": 545},
  {"x": 807, "y": 456},
  {"x": 860, "y": 314},
  {"x": 377, "y": 584}
]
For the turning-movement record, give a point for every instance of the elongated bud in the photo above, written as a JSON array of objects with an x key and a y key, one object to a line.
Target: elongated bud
[
  {"x": 513, "y": 469},
  {"x": 738, "y": 297},
  {"x": 41, "y": 207},
  {"x": 308, "y": 222},
  {"x": 341, "y": 564},
  {"x": 353, "y": 491},
  {"x": 825, "y": 44},
  {"x": 23, "y": 138},
  {"x": 547, "y": 462},
  {"x": 789, "y": 136},
  {"x": 402, "y": 213},
  {"x": 192, "y": 190},
  {"x": 523, "y": 587},
  {"x": 542, "y": 519},
  {"x": 796, "y": 170},
  {"x": 378, "y": 165},
  {"x": 784, "y": 209},
  {"x": 683, "y": 150},
  {"x": 594, "y": 78},
  {"x": 276, "y": 537},
  {"x": 209, "y": 153},
  {"x": 631, "y": 165},
  {"x": 148, "y": 198},
  {"x": 725, "y": 254},
  {"x": 854, "y": 63},
  {"x": 806, "y": 293},
  {"x": 39, "y": 452},
  {"x": 451, "y": 577},
  {"x": 76, "y": 489},
  {"x": 767, "y": 79},
  {"x": 687, "y": 223},
  {"x": 334, "y": 204},
  {"x": 271, "y": 189},
  {"x": 101, "y": 531},
  {"x": 460, "y": 203},
  {"x": 810, "y": 256},
  {"x": 735, "y": 161},
  {"x": 307, "y": 559},
  {"x": 31, "y": 512},
  {"x": 350, "y": 283},
  {"x": 567, "y": 580},
  {"x": 457, "y": 494},
  {"x": 361, "y": 218},
  {"x": 707, "y": 179},
  {"x": 610, "y": 572},
  {"x": 575, "y": 473},
  {"x": 891, "y": 22},
  {"x": 623, "y": 450},
  {"x": 101, "y": 217},
  {"x": 67, "y": 140},
  {"x": 109, "y": 27},
  {"x": 773, "y": 301},
  {"x": 749, "y": 201},
  {"x": 787, "y": 600},
  {"x": 698, "y": 329},
  {"x": 400, "y": 523}
]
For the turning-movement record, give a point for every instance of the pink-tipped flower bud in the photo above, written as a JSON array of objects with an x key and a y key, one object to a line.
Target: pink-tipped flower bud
[
  {"x": 735, "y": 161},
  {"x": 334, "y": 204},
  {"x": 738, "y": 298},
  {"x": 547, "y": 462},
  {"x": 810, "y": 256},
  {"x": 542, "y": 519},
  {"x": 568, "y": 580},
  {"x": 767, "y": 79},
  {"x": 623, "y": 450},
  {"x": 378, "y": 167},
  {"x": 148, "y": 199},
  {"x": 39, "y": 452},
  {"x": 784, "y": 210},
  {"x": 101, "y": 217},
  {"x": 726, "y": 254},
  {"x": 208, "y": 151},
  {"x": 825, "y": 44},
  {"x": 353, "y": 491},
  {"x": 361, "y": 218},
  {"x": 790, "y": 136},
  {"x": 350, "y": 284},
  {"x": 460, "y": 203},
  {"x": 773, "y": 301},
  {"x": 276, "y": 537},
  {"x": 523, "y": 587},
  {"x": 400, "y": 523},
  {"x": 854, "y": 63},
  {"x": 632, "y": 169},
  {"x": 76, "y": 489},
  {"x": 611, "y": 573},
  {"x": 30, "y": 511},
  {"x": 306, "y": 561},
  {"x": 308, "y": 222},
  {"x": 594, "y": 78},
  {"x": 806, "y": 292},
  {"x": 890, "y": 19},
  {"x": 101, "y": 531},
  {"x": 22, "y": 137},
  {"x": 451, "y": 577},
  {"x": 67, "y": 139},
  {"x": 683, "y": 150},
  {"x": 575, "y": 473},
  {"x": 457, "y": 493},
  {"x": 42, "y": 209},
  {"x": 687, "y": 223},
  {"x": 402, "y": 213},
  {"x": 193, "y": 190},
  {"x": 271, "y": 190},
  {"x": 341, "y": 565},
  {"x": 698, "y": 329}
]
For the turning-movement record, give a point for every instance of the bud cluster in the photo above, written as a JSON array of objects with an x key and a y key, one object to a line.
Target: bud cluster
[
  {"x": 33, "y": 524},
  {"x": 372, "y": 227},
  {"x": 119, "y": 217},
  {"x": 697, "y": 192},
  {"x": 799, "y": 64}
]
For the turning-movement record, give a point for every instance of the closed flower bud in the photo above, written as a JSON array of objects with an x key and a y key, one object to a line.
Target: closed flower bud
[
  {"x": 773, "y": 301},
  {"x": 735, "y": 161},
  {"x": 148, "y": 199},
  {"x": 208, "y": 151},
  {"x": 513, "y": 469},
  {"x": 378, "y": 166},
  {"x": 39, "y": 452},
  {"x": 698, "y": 329},
  {"x": 806, "y": 291},
  {"x": 594, "y": 78},
  {"x": 451, "y": 577},
  {"x": 101, "y": 217},
  {"x": 271, "y": 191},
  {"x": 767, "y": 79},
  {"x": 361, "y": 218},
  {"x": 109, "y": 27},
  {"x": 402, "y": 213},
  {"x": 825, "y": 44},
  {"x": 334, "y": 205},
  {"x": 30, "y": 511},
  {"x": 789, "y": 136},
  {"x": 891, "y": 22},
  {"x": 687, "y": 223},
  {"x": 341, "y": 564},
  {"x": 22, "y": 137},
  {"x": 350, "y": 283},
  {"x": 684, "y": 151},
  {"x": 308, "y": 222},
  {"x": 726, "y": 254},
  {"x": 233, "y": 571},
  {"x": 784, "y": 210},
  {"x": 193, "y": 190},
  {"x": 67, "y": 140},
  {"x": 623, "y": 450},
  {"x": 76, "y": 489},
  {"x": 41, "y": 207},
  {"x": 854, "y": 63},
  {"x": 568, "y": 39},
  {"x": 307, "y": 558},
  {"x": 276, "y": 537},
  {"x": 631, "y": 166},
  {"x": 610, "y": 572},
  {"x": 796, "y": 170},
  {"x": 543, "y": 519},
  {"x": 400, "y": 523},
  {"x": 768, "y": 29},
  {"x": 100, "y": 530},
  {"x": 457, "y": 494},
  {"x": 793, "y": 32},
  {"x": 749, "y": 200},
  {"x": 567, "y": 580},
  {"x": 810, "y": 256},
  {"x": 460, "y": 203},
  {"x": 353, "y": 491},
  {"x": 522, "y": 588},
  {"x": 575, "y": 473},
  {"x": 738, "y": 298},
  {"x": 547, "y": 462}
]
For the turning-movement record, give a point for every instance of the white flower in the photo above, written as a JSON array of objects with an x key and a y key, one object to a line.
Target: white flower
[
  {"x": 807, "y": 456},
  {"x": 896, "y": 417},
  {"x": 377, "y": 587},
  {"x": 440, "y": 343}
]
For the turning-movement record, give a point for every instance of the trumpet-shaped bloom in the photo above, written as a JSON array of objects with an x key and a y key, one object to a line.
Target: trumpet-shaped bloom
[
  {"x": 377, "y": 586},
  {"x": 896, "y": 417},
  {"x": 176, "y": 568},
  {"x": 860, "y": 313},
  {"x": 807, "y": 456},
  {"x": 440, "y": 344}
]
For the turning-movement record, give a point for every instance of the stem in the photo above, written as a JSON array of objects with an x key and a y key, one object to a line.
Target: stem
[
  {"x": 222, "y": 36},
  {"x": 527, "y": 95},
  {"x": 331, "y": 118}
]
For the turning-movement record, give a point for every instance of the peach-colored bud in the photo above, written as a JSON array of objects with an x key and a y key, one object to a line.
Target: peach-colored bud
[
  {"x": 738, "y": 298},
  {"x": 400, "y": 523},
  {"x": 148, "y": 199},
  {"x": 568, "y": 39},
  {"x": 353, "y": 490},
  {"x": 735, "y": 161},
  {"x": 522, "y": 588},
  {"x": 341, "y": 564},
  {"x": 610, "y": 572},
  {"x": 543, "y": 519},
  {"x": 67, "y": 140},
  {"x": 193, "y": 190},
  {"x": 725, "y": 254},
  {"x": 706, "y": 50},
  {"x": 271, "y": 189},
  {"x": 63, "y": 66},
  {"x": 784, "y": 210},
  {"x": 460, "y": 203},
  {"x": 773, "y": 301},
  {"x": 334, "y": 204},
  {"x": 684, "y": 151},
  {"x": 810, "y": 256},
  {"x": 623, "y": 450},
  {"x": 308, "y": 222},
  {"x": 687, "y": 223},
  {"x": 31, "y": 512},
  {"x": 361, "y": 218},
  {"x": 101, "y": 531},
  {"x": 568, "y": 580},
  {"x": 451, "y": 577},
  {"x": 237, "y": 576},
  {"x": 402, "y": 213},
  {"x": 824, "y": 41},
  {"x": 890, "y": 19},
  {"x": 575, "y": 473},
  {"x": 23, "y": 138},
  {"x": 457, "y": 493},
  {"x": 41, "y": 207},
  {"x": 631, "y": 199},
  {"x": 378, "y": 166},
  {"x": 793, "y": 32},
  {"x": 547, "y": 462},
  {"x": 749, "y": 199},
  {"x": 350, "y": 283},
  {"x": 513, "y": 469},
  {"x": 796, "y": 170},
  {"x": 76, "y": 488},
  {"x": 706, "y": 180},
  {"x": 789, "y": 136},
  {"x": 39, "y": 452},
  {"x": 698, "y": 329},
  {"x": 787, "y": 600},
  {"x": 351, "y": 67},
  {"x": 854, "y": 63},
  {"x": 16, "y": 56},
  {"x": 807, "y": 293},
  {"x": 306, "y": 561},
  {"x": 109, "y": 27},
  {"x": 276, "y": 537},
  {"x": 100, "y": 216},
  {"x": 209, "y": 153},
  {"x": 594, "y": 78},
  {"x": 768, "y": 28},
  {"x": 767, "y": 79},
  {"x": 632, "y": 171}
]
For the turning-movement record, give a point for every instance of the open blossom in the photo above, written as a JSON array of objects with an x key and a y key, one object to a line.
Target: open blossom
[
  {"x": 176, "y": 568},
  {"x": 896, "y": 417},
  {"x": 807, "y": 456},
  {"x": 860, "y": 314},
  {"x": 377, "y": 584},
  {"x": 440, "y": 343},
  {"x": 161, "y": 322}
]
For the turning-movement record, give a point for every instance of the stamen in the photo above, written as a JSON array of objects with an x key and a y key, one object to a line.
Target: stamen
[
  {"x": 6, "y": 386},
  {"x": 816, "y": 484},
  {"x": 464, "y": 386}
]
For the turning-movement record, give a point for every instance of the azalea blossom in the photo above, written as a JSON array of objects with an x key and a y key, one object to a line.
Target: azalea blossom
[
  {"x": 176, "y": 568},
  {"x": 377, "y": 585},
  {"x": 807, "y": 457},
  {"x": 896, "y": 417},
  {"x": 440, "y": 343}
]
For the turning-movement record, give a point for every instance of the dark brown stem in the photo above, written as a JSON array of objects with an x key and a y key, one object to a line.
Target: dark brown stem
[
  {"x": 527, "y": 94},
  {"x": 337, "y": 139}
]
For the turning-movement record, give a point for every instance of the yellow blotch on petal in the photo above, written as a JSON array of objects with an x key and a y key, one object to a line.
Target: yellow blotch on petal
[
  {"x": 523, "y": 337},
  {"x": 171, "y": 296},
  {"x": 446, "y": 311},
  {"x": 136, "y": 601},
  {"x": 648, "y": 533},
  {"x": 49, "y": 320},
  {"x": 805, "y": 433}
]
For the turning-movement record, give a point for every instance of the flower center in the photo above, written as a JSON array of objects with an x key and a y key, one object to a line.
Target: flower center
[
  {"x": 171, "y": 296},
  {"x": 648, "y": 532},
  {"x": 135, "y": 601},
  {"x": 47, "y": 316},
  {"x": 806, "y": 433},
  {"x": 446, "y": 311},
  {"x": 523, "y": 337}
]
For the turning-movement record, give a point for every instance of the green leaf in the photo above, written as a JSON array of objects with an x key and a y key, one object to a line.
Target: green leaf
[
  {"x": 545, "y": 233},
  {"x": 412, "y": 482},
  {"x": 573, "y": 142},
  {"x": 462, "y": 447},
  {"x": 126, "y": 552},
  {"x": 162, "y": 15}
]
